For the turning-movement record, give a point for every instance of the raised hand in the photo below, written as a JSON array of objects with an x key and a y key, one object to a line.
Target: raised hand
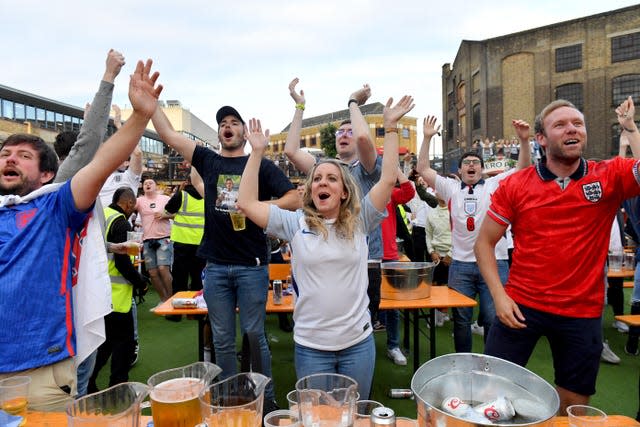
[
  {"x": 626, "y": 111},
  {"x": 117, "y": 116},
  {"x": 391, "y": 114},
  {"x": 429, "y": 127},
  {"x": 257, "y": 139},
  {"x": 143, "y": 91},
  {"x": 298, "y": 98},
  {"x": 114, "y": 63},
  {"x": 361, "y": 95},
  {"x": 522, "y": 129}
]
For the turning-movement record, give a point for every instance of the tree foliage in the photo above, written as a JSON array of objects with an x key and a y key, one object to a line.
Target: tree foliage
[{"x": 328, "y": 140}]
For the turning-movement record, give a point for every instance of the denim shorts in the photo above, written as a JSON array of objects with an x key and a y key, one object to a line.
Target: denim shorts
[
  {"x": 158, "y": 252},
  {"x": 576, "y": 345}
]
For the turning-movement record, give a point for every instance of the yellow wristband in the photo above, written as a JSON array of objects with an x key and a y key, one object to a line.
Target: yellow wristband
[
  {"x": 300, "y": 107},
  {"x": 390, "y": 130}
]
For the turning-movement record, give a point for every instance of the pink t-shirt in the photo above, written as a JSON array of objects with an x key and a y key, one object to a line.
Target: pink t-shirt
[{"x": 153, "y": 228}]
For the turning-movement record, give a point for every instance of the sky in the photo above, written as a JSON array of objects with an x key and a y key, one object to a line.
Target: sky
[{"x": 245, "y": 53}]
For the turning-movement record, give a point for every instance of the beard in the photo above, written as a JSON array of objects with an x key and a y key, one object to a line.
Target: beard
[
  {"x": 233, "y": 144},
  {"x": 556, "y": 152},
  {"x": 21, "y": 188}
]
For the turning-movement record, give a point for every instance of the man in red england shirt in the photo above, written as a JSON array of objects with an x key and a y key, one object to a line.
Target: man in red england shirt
[{"x": 557, "y": 209}]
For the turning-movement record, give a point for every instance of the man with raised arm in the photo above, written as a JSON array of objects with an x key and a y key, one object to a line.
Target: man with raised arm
[
  {"x": 237, "y": 261},
  {"x": 468, "y": 202},
  {"x": 75, "y": 150},
  {"x": 557, "y": 210},
  {"x": 37, "y": 227},
  {"x": 356, "y": 149}
]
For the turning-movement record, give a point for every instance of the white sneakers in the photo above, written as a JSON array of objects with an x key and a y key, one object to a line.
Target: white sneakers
[
  {"x": 477, "y": 329},
  {"x": 621, "y": 326},
  {"x": 441, "y": 317},
  {"x": 608, "y": 355},
  {"x": 396, "y": 355}
]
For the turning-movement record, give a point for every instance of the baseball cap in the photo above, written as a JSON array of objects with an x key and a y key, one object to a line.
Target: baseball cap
[{"x": 227, "y": 111}]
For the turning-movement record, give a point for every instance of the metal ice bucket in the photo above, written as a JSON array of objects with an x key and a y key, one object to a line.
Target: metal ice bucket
[
  {"x": 477, "y": 378},
  {"x": 406, "y": 280}
]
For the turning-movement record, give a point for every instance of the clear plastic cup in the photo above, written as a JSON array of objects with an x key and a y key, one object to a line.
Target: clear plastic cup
[
  {"x": 586, "y": 416},
  {"x": 281, "y": 417},
  {"x": 14, "y": 395}
]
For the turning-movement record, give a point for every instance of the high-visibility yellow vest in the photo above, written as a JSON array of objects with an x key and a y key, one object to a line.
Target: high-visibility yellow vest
[
  {"x": 403, "y": 215},
  {"x": 188, "y": 224},
  {"x": 121, "y": 290}
]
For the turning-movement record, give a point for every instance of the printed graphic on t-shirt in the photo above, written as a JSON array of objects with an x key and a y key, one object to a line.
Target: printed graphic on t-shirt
[{"x": 227, "y": 192}]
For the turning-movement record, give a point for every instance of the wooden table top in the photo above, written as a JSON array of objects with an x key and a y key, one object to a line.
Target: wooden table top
[
  {"x": 57, "y": 419},
  {"x": 629, "y": 319},
  {"x": 441, "y": 297},
  {"x": 624, "y": 273},
  {"x": 612, "y": 421}
]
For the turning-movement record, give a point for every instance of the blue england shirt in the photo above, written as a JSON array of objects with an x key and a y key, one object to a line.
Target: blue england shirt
[{"x": 36, "y": 266}]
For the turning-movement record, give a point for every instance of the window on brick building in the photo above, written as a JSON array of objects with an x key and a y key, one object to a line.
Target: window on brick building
[
  {"x": 380, "y": 132},
  {"x": 569, "y": 58},
  {"x": 475, "y": 82},
  {"x": 303, "y": 142},
  {"x": 405, "y": 133},
  {"x": 451, "y": 100},
  {"x": 573, "y": 93},
  {"x": 475, "y": 118},
  {"x": 625, "y": 86},
  {"x": 313, "y": 141},
  {"x": 625, "y": 48}
]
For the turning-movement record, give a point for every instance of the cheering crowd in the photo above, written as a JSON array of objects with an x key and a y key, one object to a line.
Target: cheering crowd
[{"x": 65, "y": 250}]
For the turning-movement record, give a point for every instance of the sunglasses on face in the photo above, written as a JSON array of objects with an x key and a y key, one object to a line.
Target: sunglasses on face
[
  {"x": 471, "y": 162},
  {"x": 341, "y": 132}
]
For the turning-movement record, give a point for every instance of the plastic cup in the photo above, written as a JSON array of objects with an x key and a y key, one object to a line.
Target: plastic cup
[
  {"x": 238, "y": 219},
  {"x": 615, "y": 261},
  {"x": 14, "y": 392},
  {"x": 629, "y": 260},
  {"x": 281, "y": 417},
  {"x": 134, "y": 236},
  {"x": 586, "y": 416},
  {"x": 292, "y": 399}
]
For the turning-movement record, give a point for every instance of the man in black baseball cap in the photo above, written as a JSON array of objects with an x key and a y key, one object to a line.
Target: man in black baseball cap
[
  {"x": 227, "y": 111},
  {"x": 245, "y": 251}
]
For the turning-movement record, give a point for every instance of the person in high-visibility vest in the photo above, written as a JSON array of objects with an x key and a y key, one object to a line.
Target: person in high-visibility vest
[
  {"x": 119, "y": 343},
  {"x": 186, "y": 233}
]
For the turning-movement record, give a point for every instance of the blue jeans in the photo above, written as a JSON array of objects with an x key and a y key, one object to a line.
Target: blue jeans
[
  {"x": 225, "y": 288},
  {"x": 635, "y": 296},
  {"x": 356, "y": 362},
  {"x": 465, "y": 277},
  {"x": 84, "y": 371},
  {"x": 391, "y": 320}
]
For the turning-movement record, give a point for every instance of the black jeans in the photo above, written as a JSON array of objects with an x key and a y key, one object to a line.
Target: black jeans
[
  {"x": 186, "y": 264},
  {"x": 373, "y": 291}
]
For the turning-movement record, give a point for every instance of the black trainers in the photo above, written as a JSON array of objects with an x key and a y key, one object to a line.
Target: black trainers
[
  {"x": 631, "y": 349},
  {"x": 136, "y": 352}
]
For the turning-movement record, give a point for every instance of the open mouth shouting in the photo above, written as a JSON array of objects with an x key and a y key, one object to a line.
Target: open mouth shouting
[{"x": 10, "y": 173}]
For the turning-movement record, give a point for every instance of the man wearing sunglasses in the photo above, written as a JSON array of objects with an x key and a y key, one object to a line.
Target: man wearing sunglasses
[{"x": 468, "y": 201}]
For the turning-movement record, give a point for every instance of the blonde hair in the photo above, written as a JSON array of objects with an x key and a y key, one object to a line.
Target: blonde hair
[{"x": 349, "y": 214}]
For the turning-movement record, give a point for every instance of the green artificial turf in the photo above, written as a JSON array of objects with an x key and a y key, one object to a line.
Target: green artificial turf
[{"x": 165, "y": 345}]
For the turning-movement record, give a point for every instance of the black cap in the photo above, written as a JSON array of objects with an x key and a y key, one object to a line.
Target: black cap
[{"x": 227, "y": 111}]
